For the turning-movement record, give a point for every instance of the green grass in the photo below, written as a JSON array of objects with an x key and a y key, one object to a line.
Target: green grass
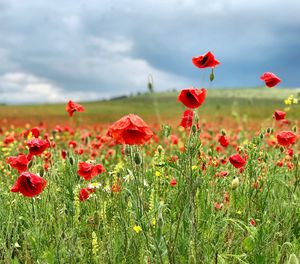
[{"x": 178, "y": 224}]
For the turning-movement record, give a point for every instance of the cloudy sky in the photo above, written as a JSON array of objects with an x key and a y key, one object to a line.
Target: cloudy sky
[{"x": 90, "y": 49}]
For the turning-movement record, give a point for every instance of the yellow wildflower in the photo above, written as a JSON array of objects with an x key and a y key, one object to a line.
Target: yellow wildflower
[
  {"x": 153, "y": 221},
  {"x": 137, "y": 229},
  {"x": 157, "y": 173}
]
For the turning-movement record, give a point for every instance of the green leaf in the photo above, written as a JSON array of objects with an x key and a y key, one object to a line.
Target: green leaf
[{"x": 249, "y": 243}]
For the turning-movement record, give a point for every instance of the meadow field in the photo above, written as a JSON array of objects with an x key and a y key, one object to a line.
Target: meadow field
[
  {"x": 215, "y": 184},
  {"x": 254, "y": 104}
]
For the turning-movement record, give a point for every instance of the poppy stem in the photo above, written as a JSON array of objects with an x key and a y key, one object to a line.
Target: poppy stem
[
  {"x": 155, "y": 103},
  {"x": 296, "y": 174},
  {"x": 32, "y": 208},
  {"x": 212, "y": 75}
]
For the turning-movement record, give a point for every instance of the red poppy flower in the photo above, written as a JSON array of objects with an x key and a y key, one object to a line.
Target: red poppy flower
[
  {"x": 73, "y": 107},
  {"x": 285, "y": 122},
  {"x": 205, "y": 61},
  {"x": 218, "y": 206},
  {"x": 29, "y": 184},
  {"x": 35, "y": 132},
  {"x": 88, "y": 171},
  {"x": 174, "y": 139},
  {"x": 83, "y": 194},
  {"x": 20, "y": 162},
  {"x": 279, "y": 115},
  {"x": 226, "y": 198},
  {"x": 224, "y": 141},
  {"x": 72, "y": 144},
  {"x": 290, "y": 152},
  {"x": 252, "y": 222},
  {"x": 223, "y": 174},
  {"x": 37, "y": 146},
  {"x": 8, "y": 140},
  {"x": 173, "y": 182},
  {"x": 187, "y": 118},
  {"x": 63, "y": 154},
  {"x": 237, "y": 161},
  {"x": 286, "y": 138},
  {"x": 192, "y": 97},
  {"x": 92, "y": 187},
  {"x": 131, "y": 130},
  {"x": 270, "y": 79},
  {"x": 115, "y": 188},
  {"x": 79, "y": 151},
  {"x": 173, "y": 159}
]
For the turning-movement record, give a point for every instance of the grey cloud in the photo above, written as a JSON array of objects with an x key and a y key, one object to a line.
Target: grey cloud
[{"x": 109, "y": 47}]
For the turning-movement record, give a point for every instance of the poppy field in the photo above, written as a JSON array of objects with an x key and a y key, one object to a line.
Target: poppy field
[{"x": 190, "y": 178}]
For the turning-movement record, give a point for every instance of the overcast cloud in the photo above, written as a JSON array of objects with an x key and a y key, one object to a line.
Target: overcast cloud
[{"x": 52, "y": 51}]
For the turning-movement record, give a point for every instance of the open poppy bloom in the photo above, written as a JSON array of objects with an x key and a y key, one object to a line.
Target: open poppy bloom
[
  {"x": 29, "y": 184},
  {"x": 224, "y": 141},
  {"x": 192, "y": 97},
  {"x": 8, "y": 140},
  {"x": 88, "y": 170},
  {"x": 35, "y": 132},
  {"x": 20, "y": 162},
  {"x": 205, "y": 61},
  {"x": 237, "y": 161},
  {"x": 270, "y": 79},
  {"x": 131, "y": 130},
  {"x": 279, "y": 115},
  {"x": 83, "y": 194},
  {"x": 286, "y": 138},
  {"x": 73, "y": 107},
  {"x": 37, "y": 146}
]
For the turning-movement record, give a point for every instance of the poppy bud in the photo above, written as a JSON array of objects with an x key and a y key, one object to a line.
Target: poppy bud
[
  {"x": 194, "y": 128},
  {"x": 150, "y": 87},
  {"x": 71, "y": 160},
  {"x": 268, "y": 130},
  {"x": 294, "y": 129},
  {"x": 196, "y": 119},
  {"x": 42, "y": 171},
  {"x": 166, "y": 130},
  {"x": 159, "y": 149},
  {"x": 209, "y": 152},
  {"x": 223, "y": 132},
  {"x": 212, "y": 76},
  {"x": 282, "y": 149},
  {"x": 32, "y": 159},
  {"x": 235, "y": 183},
  {"x": 54, "y": 132},
  {"x": 261, "y": 135},
  {"x": 137, "y": 158},
  {"x": 127, "y": 150},
  {"x": 150, "y": 83}
]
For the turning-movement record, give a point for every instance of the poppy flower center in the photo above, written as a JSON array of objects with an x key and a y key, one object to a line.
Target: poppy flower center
[
  {"x": 191, "y": 98},
  {"x": 29, "y": 184},
  {"x": 35, "y": 148},
  {"x": 204, "y": 60}
]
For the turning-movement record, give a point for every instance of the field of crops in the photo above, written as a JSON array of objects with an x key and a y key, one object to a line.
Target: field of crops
[{"x": 213, "y": 183}]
